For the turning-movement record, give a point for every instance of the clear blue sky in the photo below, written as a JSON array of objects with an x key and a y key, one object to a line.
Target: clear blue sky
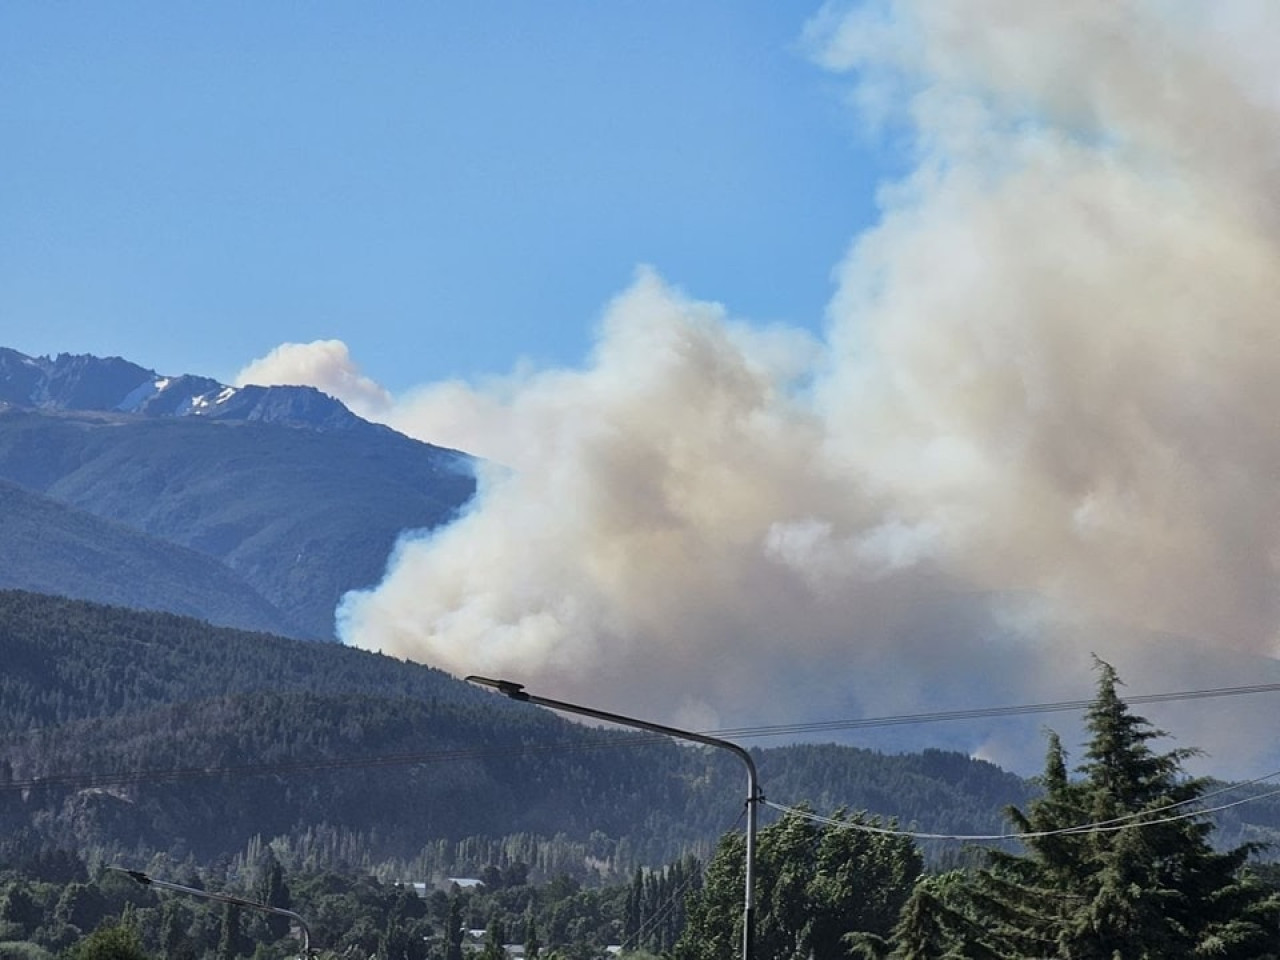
[{"x": 447, "y": 187}]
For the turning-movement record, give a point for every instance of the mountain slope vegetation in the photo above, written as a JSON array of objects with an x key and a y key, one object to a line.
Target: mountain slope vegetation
[
  {"x": 131, "y": 732},
  {"x": 300, "y": 515}
]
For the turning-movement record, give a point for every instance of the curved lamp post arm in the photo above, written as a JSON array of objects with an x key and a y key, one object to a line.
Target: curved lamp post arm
[
  {"x": 147, "y": 881},
  {"x": 516, "y": 691}
]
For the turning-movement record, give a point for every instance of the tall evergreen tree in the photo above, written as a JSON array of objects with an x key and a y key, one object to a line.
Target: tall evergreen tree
[
  {"x": 532, "y": 944},
  {"x": 453, "y": 928},
  {"x": 1145, "y": 882},
  {"x": 494, "y": 939},
  {"x": 274, "y": 892},
  {"x": 175, "y": 940},
  {"x": 633, "y": 915},
  {"x": 231, "y": 940},
  {"x": 932, "y": 926}
]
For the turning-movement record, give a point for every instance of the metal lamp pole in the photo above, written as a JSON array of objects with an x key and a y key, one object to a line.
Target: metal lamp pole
[
  {"x": 145, "y": 880},
  {"x": 516, "y": 691}
]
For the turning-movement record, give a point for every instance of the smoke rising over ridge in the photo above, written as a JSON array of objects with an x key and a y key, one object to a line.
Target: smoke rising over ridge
[{"x": 1041, "y": 421}]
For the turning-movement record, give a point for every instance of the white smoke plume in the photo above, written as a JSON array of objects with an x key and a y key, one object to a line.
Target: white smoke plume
[
  {"x": 325, "y": 365},
  {"x": 1042, "y": 421}
]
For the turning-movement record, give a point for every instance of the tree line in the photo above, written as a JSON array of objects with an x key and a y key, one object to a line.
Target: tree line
[
  {"x": 52, "y": 906},
  {"x": 1141, "y": 881},
  {"x": 1116, "y": 862},
  {"x": 126, "y": 734}
]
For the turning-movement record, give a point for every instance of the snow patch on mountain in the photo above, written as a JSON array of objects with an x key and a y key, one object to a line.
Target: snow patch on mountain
[{"x": 86, "y": 382}]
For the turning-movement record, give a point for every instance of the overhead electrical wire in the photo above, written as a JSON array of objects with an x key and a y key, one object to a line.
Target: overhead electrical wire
[
  {"x": 1133, "y": 821},
  {"x": 673, "y": 901},
  {"x": 980, "y": 713},
  {"x": 90, "y": 780}
]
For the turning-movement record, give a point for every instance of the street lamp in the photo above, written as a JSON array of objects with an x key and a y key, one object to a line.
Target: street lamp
[
  {"x": 516, "y": 691},
  {"x": 147, "y": 881}
]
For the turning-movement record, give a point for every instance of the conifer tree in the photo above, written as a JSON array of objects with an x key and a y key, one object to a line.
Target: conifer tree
[
  {"x": 927, "y": 929},
  {"x": 494, "y": 939},
  {"x": 175, "y": 940},
  {"x": 453, "y": 928},
  {"x": 532, "y": 943},
  {"x": 274, "y": 892},
  {"x": 230, "y": 939},
  {"x": 633, "y": 917},
  {"x": 1144, "y": 883}
]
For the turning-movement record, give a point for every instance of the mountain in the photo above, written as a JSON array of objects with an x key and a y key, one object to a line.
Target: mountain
[
  {"x": 126, "y": 732},
  {"x": 52, "y": 548},
  {"x": 296, "y": 497},
  {"x": 84, "y": 382}
]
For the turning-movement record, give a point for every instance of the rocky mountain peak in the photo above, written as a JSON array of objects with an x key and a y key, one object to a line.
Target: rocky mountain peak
[{"x": 81, "y": 382}]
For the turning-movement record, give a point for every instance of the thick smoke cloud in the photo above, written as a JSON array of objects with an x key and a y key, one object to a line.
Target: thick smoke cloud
[
  {"x": 1041, "y": 422},
  {"x": 325, "y": 365}
]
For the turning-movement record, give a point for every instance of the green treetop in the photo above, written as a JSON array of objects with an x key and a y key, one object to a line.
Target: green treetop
[{"x": 1142, "y": 883}]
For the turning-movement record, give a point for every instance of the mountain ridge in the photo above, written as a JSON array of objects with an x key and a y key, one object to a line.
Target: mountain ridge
[
  {"x": 298, "y": 498},
  {"x": 84, "y": 382}
]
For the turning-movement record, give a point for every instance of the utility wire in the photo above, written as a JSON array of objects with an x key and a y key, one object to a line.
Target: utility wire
[
  {"x": 673, "y": 901},
  {"x": 651, "y": 923},
  {"x": 979, "y": 713},
  {"x": 81, "y": 781},
  {"x": 1132, "y": 821}
]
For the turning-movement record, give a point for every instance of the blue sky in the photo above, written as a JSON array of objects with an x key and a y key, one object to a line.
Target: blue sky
[
  {"x": 1034, "y": 423},
  {"x": 449, "y": 188}
]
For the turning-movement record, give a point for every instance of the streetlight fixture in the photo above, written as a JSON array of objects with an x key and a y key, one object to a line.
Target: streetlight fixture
[
  {"x": 147, "y": 881},
  {"x": 516, "y": 691}
]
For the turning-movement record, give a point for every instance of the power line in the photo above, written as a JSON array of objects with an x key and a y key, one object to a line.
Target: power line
[
  {"x": 89, "y": 780},
  {"x": 1127, "y": 822},
  {"x": 674, "y": 901},
  {"x": 980, "y": 713}
]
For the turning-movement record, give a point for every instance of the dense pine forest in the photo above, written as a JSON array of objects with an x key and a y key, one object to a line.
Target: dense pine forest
[
  {"x": 133, "y": 734},
  {"x": 1114, "y": 861},
  {"x": 409, "y": 816}
]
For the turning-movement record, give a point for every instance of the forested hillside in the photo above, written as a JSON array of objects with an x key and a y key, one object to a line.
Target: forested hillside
[
  {"x": 127, "y": 732},
  {"x": 71, "y": 660},
  {"x": 1114, "y": 860}
]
